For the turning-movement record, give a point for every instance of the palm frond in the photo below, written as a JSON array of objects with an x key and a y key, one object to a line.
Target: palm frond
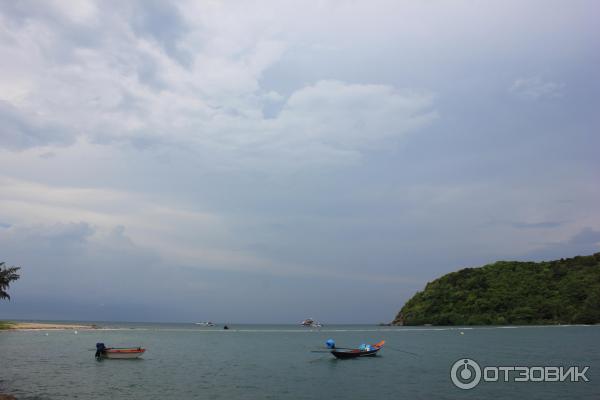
[{"x": 7, "y": 275}]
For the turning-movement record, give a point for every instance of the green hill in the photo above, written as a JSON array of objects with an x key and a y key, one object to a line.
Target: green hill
[{"x": 566, "y": 291}]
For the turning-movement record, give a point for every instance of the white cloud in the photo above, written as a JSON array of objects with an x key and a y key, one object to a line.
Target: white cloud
[
  {"x": 132, "y": 86},
  {"x": 79, "y": 12},
  {"x": 353, "y": 116},
  {"x": 170, "y": 231},
  {"x": 535, "y": 88}
]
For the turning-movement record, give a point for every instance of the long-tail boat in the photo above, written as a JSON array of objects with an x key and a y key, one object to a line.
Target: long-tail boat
[
  {"x": 118, "y": 352},
  {"x": 363, "y": 351}
]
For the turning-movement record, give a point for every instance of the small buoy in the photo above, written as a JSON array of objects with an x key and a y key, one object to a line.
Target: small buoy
[
  {"x": 462, "y": 333},
  {"x": 46, "y": 333},
  {"x": 76, "y": 332}
]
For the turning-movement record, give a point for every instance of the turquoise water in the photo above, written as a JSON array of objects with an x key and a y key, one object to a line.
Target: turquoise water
[{"x": 184, "y": 361}]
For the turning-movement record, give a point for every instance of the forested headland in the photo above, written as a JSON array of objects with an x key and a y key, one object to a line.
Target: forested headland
[{"x": 565, "y": 291}]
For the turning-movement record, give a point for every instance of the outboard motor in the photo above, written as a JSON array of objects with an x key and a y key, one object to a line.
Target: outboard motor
[
  {"x": 330, "y": 343},
  {"x": 100, "y": 348}
]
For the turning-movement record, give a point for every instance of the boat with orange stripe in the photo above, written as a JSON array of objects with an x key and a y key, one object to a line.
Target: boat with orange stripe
[
  {"x": 364, "y": 350},
  {"x": 118, "y": 352}
]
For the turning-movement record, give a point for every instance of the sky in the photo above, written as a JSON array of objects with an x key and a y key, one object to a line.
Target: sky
[{"x": 265, "y": 162}]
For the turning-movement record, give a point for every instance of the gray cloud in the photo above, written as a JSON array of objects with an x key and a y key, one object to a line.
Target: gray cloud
[
  {"x": 538, "y": 225},
  {"x": 53, "y": 238},
  {"x": 535, "y": 88},
  {"x": 21, "y": 129},
  {"x": 585, "y": 242},
  {"x": 163, "y": 23}
]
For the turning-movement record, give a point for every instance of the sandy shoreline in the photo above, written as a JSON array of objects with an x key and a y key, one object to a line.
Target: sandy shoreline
[{"x": 28, "y": 326}]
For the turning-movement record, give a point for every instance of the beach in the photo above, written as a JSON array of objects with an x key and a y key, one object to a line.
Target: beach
[{"x": 26, "y": 326}]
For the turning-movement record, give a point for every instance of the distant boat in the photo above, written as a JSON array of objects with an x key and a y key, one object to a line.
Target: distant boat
[
  {"x": 311, "y": 323},
  {"x": 207, "y": 323},
  {"x": 363, "y": 351},
  {"x": 118, "y": 352}
]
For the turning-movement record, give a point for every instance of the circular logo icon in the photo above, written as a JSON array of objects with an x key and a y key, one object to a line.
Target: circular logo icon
[{"x": 465, "y": 373}]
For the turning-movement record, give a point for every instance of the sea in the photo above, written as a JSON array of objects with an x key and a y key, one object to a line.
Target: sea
[{"x": 187, "y": 361}]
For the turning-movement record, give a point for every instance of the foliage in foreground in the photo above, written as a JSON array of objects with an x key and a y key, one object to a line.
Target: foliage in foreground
[
  {"x": 7, "y": 275},
  {"x": 565, "y": 291}
]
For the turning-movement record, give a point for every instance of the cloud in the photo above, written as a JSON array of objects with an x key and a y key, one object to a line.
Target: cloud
[
  {"x": 57, "y": 238},
  {"x": 587, "y": 236},
  {"x": 538, "y": 225},
  {"x": 158, "y": 77},
  {"x": 329, "y": 122},
  {"x": 47, "y": 155},
  {"x": 75, "y": 267},
  {"x": 183, "y": 236},
  {"x": 584, "y": 242},
  {"x": 535, "y": 88},
  {"x": 44, "y": 215},
  {"x": 354, "y": 116},
  {"x": 21, "y": 129},
  {"x": 162, "y": 22}
]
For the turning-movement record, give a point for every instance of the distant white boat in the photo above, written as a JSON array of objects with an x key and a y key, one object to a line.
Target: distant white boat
[
  {"x": 311, "y": 323},
  {"x": 207, "y": 323}
]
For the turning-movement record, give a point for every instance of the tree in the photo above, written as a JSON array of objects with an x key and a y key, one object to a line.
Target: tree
[
  {"x": 510, "y": 292},
  {"x": 7, "y": 275}
]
